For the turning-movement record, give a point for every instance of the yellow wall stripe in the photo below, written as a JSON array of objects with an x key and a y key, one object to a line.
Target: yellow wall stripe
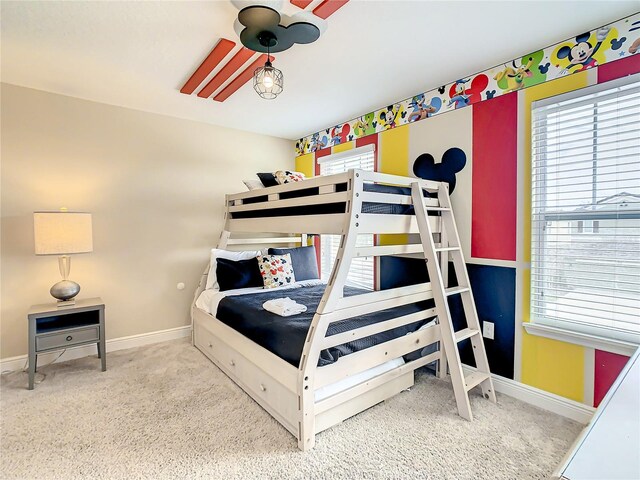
[
  {"x": 393, "y": 158},
  {"x": 394, "y": 151},
  {"x": 555, "y": 366},
  {"x": 305, "y": 164},
  {"x": 343, "y": 147}
]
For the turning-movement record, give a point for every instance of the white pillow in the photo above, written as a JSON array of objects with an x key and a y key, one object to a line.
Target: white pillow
[
  {"x": 212, "y": 280},
  {"x": 253, "y": 184}
]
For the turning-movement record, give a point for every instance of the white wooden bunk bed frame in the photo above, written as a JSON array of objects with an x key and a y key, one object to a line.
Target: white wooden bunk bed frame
[{"x": 287, "y": 392}]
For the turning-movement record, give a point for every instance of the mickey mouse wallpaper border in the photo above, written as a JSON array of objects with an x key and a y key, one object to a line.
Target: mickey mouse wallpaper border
[{"x": 587, "y": 50}]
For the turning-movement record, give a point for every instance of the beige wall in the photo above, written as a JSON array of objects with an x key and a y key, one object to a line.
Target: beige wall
[{"x": 155, "y": 186}]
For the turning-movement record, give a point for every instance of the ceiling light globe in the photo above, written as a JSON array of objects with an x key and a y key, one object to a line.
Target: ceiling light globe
[{"x": 268, "y": 81}]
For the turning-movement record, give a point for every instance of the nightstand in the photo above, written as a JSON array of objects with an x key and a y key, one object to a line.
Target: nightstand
[{"x": 54, "y": 328}]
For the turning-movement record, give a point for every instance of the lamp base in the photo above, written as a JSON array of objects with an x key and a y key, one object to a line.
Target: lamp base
[
  {"x": 65, "y": 291},
  {"x": 65, "y": 303}
]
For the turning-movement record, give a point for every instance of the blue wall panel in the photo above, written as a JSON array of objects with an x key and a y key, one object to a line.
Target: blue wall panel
[
  {"x": 400, "y": 272},
  {"x": 494, "y": 291}
]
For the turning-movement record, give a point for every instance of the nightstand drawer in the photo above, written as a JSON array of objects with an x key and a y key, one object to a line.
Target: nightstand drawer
[{"x": 67, "y": 338}]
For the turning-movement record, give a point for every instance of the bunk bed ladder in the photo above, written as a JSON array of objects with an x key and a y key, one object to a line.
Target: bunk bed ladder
[{"x": 450, "y": 338}]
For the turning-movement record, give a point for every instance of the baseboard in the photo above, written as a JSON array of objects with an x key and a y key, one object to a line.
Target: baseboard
[
  {"x": 551, "y": 402},
  {"x": 534, "y": 396},
  {"x": 18, "y": 363}
]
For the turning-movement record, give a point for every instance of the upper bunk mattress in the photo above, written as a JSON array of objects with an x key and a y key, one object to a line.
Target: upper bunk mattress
[
  {"x": 328, "y": 208},
  {"x": 285, "y": 336}
]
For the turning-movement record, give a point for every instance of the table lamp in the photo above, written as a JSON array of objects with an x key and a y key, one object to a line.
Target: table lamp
[{"x": 63, "y": 233}]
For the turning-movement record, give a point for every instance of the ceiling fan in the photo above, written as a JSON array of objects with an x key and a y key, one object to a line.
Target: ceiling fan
[
  {"x": 267, "y": 27},
  {"x": 262, "y": 31}
]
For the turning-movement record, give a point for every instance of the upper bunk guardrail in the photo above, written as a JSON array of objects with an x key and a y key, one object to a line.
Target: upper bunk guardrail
[
  {"x": 397, "y": 180},
  {"x": 255, "y": 210},
  {"x": 325, "y": 184},
  {"x": 328, "y": 191}
]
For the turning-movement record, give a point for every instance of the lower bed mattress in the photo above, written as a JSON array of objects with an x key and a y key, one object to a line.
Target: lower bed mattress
[{"x": 285, "y": 336}]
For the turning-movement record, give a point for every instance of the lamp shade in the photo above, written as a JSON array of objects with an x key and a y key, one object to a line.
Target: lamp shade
[
  {"x": 268, "y": 81},
  {"x": 61, "y": 233}
]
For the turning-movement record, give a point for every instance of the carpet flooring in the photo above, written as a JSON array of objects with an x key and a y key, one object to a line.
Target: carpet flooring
[{"x": 165, "y": 412}]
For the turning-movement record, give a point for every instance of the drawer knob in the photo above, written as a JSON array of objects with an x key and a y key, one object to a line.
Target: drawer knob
[
  {"x": 233, "y": 364},
  {"x": 210, "y": 345},
  {"x": 263, "y": 388},
  {"x": 69, "y": 338}
]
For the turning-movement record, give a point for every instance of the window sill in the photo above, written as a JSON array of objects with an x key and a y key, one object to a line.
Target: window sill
[{"x": 584, "y": 339}]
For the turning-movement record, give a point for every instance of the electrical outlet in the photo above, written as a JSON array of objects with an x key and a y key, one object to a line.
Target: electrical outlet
[{"x": 487, "y": 330}]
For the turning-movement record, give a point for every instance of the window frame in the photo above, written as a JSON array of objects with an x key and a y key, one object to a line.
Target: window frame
[
  {"x": 605, "y": 338},
  {"x": 337, "y": 157}
]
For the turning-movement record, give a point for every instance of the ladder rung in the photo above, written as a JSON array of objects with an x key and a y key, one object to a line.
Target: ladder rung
[
  {"x": 447, "y": 249},
  {"x": 474, "y": 379},
  {"x": 466, "y": 333},
  {"x": 455, "y": 290},
  {"x": 451, "y": 243}
]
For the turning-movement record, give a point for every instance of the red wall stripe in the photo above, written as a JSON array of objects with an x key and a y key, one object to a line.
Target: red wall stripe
[
  {"x": 318, "y": 241},
  {"x": 319, "y": 154},
  {"x": 619, "y": 68},
  {"x": 241, "y": 79},
  {"x": 316, "y": 244},
  {"x": 494, "y": 178},
  {"x": 328, "y": 8},
  {"x": 361, "y": 142},
  {"x": 316, "y": 168},
  {"x": 301, "y": 3},
  {"x": 369, "y": 140},
  {"x": 223, "y": 75},
  {"x": 222, "y": 48},
  {"x": 608, "y": 367}
]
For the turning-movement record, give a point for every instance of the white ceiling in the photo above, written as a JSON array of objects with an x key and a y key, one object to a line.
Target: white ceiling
[{"x": 138, "y": 54}]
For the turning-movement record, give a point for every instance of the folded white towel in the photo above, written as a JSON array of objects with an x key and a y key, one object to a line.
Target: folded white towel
[{"x": 285, "y": 307}]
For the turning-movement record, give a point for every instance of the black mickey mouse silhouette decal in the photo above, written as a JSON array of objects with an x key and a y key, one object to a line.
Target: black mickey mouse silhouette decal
[{"x": 453, "y": 160}]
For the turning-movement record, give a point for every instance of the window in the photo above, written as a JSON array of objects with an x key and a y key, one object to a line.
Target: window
[
  {"x": 361, "y": 271},
  {"x": 585, "y": 271}
]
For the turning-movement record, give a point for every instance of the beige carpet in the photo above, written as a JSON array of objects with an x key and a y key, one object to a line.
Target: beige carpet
[{"x": 165, "y": 412}]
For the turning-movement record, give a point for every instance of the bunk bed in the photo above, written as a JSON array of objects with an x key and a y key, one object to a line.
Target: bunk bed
[{"x": 357, "y": 348}]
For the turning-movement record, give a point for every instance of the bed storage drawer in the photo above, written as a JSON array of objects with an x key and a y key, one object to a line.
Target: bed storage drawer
[
  {"x": 217, "y": 351},
  {"x": 272, "y": 395},
  {"x": 272, "y": 392}
]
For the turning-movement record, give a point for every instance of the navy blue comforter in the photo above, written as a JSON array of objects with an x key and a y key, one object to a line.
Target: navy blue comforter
[{"x": 285, "y": 336}]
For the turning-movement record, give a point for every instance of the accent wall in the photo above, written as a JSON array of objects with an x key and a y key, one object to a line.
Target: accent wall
[{"x": 485, "y": 150}]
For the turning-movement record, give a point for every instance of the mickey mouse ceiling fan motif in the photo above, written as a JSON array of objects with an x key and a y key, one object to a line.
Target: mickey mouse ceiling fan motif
[
  {"x": 263, "y": 27},
  {"x": 263, "y": 32}
]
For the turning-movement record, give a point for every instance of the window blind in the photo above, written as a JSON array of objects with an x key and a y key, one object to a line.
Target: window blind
[
  {"x": 585, "y": 271},
  {"x": 362, "y": 158},
  {"x": 361, "y": 270}
]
